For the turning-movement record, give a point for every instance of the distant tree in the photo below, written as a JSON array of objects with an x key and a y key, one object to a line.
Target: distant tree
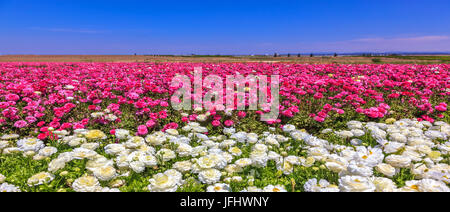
[
  {"x": 299, "y": 55},
  {"x": 289, "y": 55},
  {"x": 335, "y": 54},
  {"x": 311, "y": 55},
  {"x": 275, "y": 55}
]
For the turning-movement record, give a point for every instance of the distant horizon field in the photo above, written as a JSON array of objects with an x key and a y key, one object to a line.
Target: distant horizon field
[{"x": 377, "y": 59}]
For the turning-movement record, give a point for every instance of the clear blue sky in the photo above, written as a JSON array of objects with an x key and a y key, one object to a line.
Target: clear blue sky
[{"x": 222, "y": 27}]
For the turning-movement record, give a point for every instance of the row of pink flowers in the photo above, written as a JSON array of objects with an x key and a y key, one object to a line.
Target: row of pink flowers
[{"x": 63, "y": 96}]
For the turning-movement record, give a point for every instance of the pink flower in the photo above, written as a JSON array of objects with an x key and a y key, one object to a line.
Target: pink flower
[
  {"x": 215, "y": 123},
  {"x": 42, "y": 136},
  {"x": 20, "y": 124},
  {"x": 172, "y": 125},
  {"x": 164, "y": 104},
  {"x": 142, "y": 130},
  {"x": 150, "y": 123},
  {"x": 12, "y": 97},
  {"x": 318, "y": 95},
  {"x": 242, "y": 114},
  {"x": 442, "y": 107},
  {"x": 229, "y": 123},
  {"x": 31, "y": 119},
  {"x": 319, "y": 119},
  {"x": 340, "y": 111}
]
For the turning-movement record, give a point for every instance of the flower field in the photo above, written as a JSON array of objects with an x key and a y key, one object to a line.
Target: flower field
[{"x": 107, "y": 127}]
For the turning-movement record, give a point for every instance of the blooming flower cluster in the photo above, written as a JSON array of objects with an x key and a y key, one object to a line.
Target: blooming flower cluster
[
  {"x": 109, "y": 127},
  {"x": 406, "y": 155}
]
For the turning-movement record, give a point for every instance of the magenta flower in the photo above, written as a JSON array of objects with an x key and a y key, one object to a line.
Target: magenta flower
[
  {"x": 20, "y": 124},
  {"x": 229, "y": 123},
  {"x": 142, "y": 130}
]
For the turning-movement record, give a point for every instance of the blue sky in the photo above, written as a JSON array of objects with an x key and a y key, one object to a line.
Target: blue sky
[{"x": 223, "y": 27}]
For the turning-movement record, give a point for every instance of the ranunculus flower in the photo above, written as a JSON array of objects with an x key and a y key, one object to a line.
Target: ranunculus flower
[
  {"x": 20, "y": 124},
  {"x": 142, "y": 130},
  {"x": 216, "y": 123},
  {"x": 229, "y": 123},
  {"x": 241, "y": 114}
]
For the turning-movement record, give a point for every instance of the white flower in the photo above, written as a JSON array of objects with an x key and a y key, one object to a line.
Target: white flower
[
  {"x": 219, "y": 187},
  {"x": 48, "y": 151},
  {"x": 101, "y": 161},
  {"x": 90, "y": 146},
  {"x": 357, "y": 132},
  {"x": 208, "y": 161},
  {"x": 166, "y": 154},
  {"x": 106, "y": 189},
  {"x": 392, "y": 147},
  {"x": 137, "y": 166},
  {"x": 209, "y": 176},
  {"x": 276, "y": 188},
  {"x": 97, "y": 114},
  {"x": 252, "y": 189},
  {"x": 336, "y": 163},
  {"x": 30, "y": 144},
  {"x": 355, "y": 184},
  {"x": 430, "y": 185},
  {"x": 182, "y": 166},
  {"x": 122, "y": 134},
  {"x": 252, "y": 138},
  {"x": 288, "y": 128},
  {"x": 148, "y": 160},
  {"x": 156, "y": 138},
  {"x": 235, "y": 151},
  {"x": 233, "y": 168},
  {"x": 11, "y": 150},
  {"x": 105, "y": 173},
  {"x": 175, "y": 175},
  {"x": 322, "y": 186},
  {"x": 3, "y": 144},
  {"x": 162, "y": 183},
  {"x": 111, "y": 117},
  {"x": 5, "y": 187},
  {"x": 318, "y": 152},
  {"x": 134, "y": 142},
  {"x": 199, "y": 150},
  {"x": 286, "y": 167},
  {"x": 398, "y": 161},
  {"x": 73, "y": 142},
  {"x": 229, "y": 131},
  {"x": 114, "y": 149},
  {"x": 354, "y": 125},
  {"x": 344, "y": 134},
  {"x": 40, "y": 178},
  {"x": 122, "y": 161},
  {"x": 82, "y": 153},
  {"x": 202, "y": 118},
  {"x": 359, "y": 169},
  {"x": 184, "y": 150},
  {"x": 86, "y": 184},
  {"x": 386, "y": 169},
  {"x": 383, "y": 184},
  {"x": 2, "y": 178},
  {"x": 9, "y": 136},
  {"x": 433, "y": 134},
  {"x": 368, "y": 156},
  {"x": 56, "y": 165},
  {"x": 227, "y": 143},
  {"x": 259, "y": 158}
]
